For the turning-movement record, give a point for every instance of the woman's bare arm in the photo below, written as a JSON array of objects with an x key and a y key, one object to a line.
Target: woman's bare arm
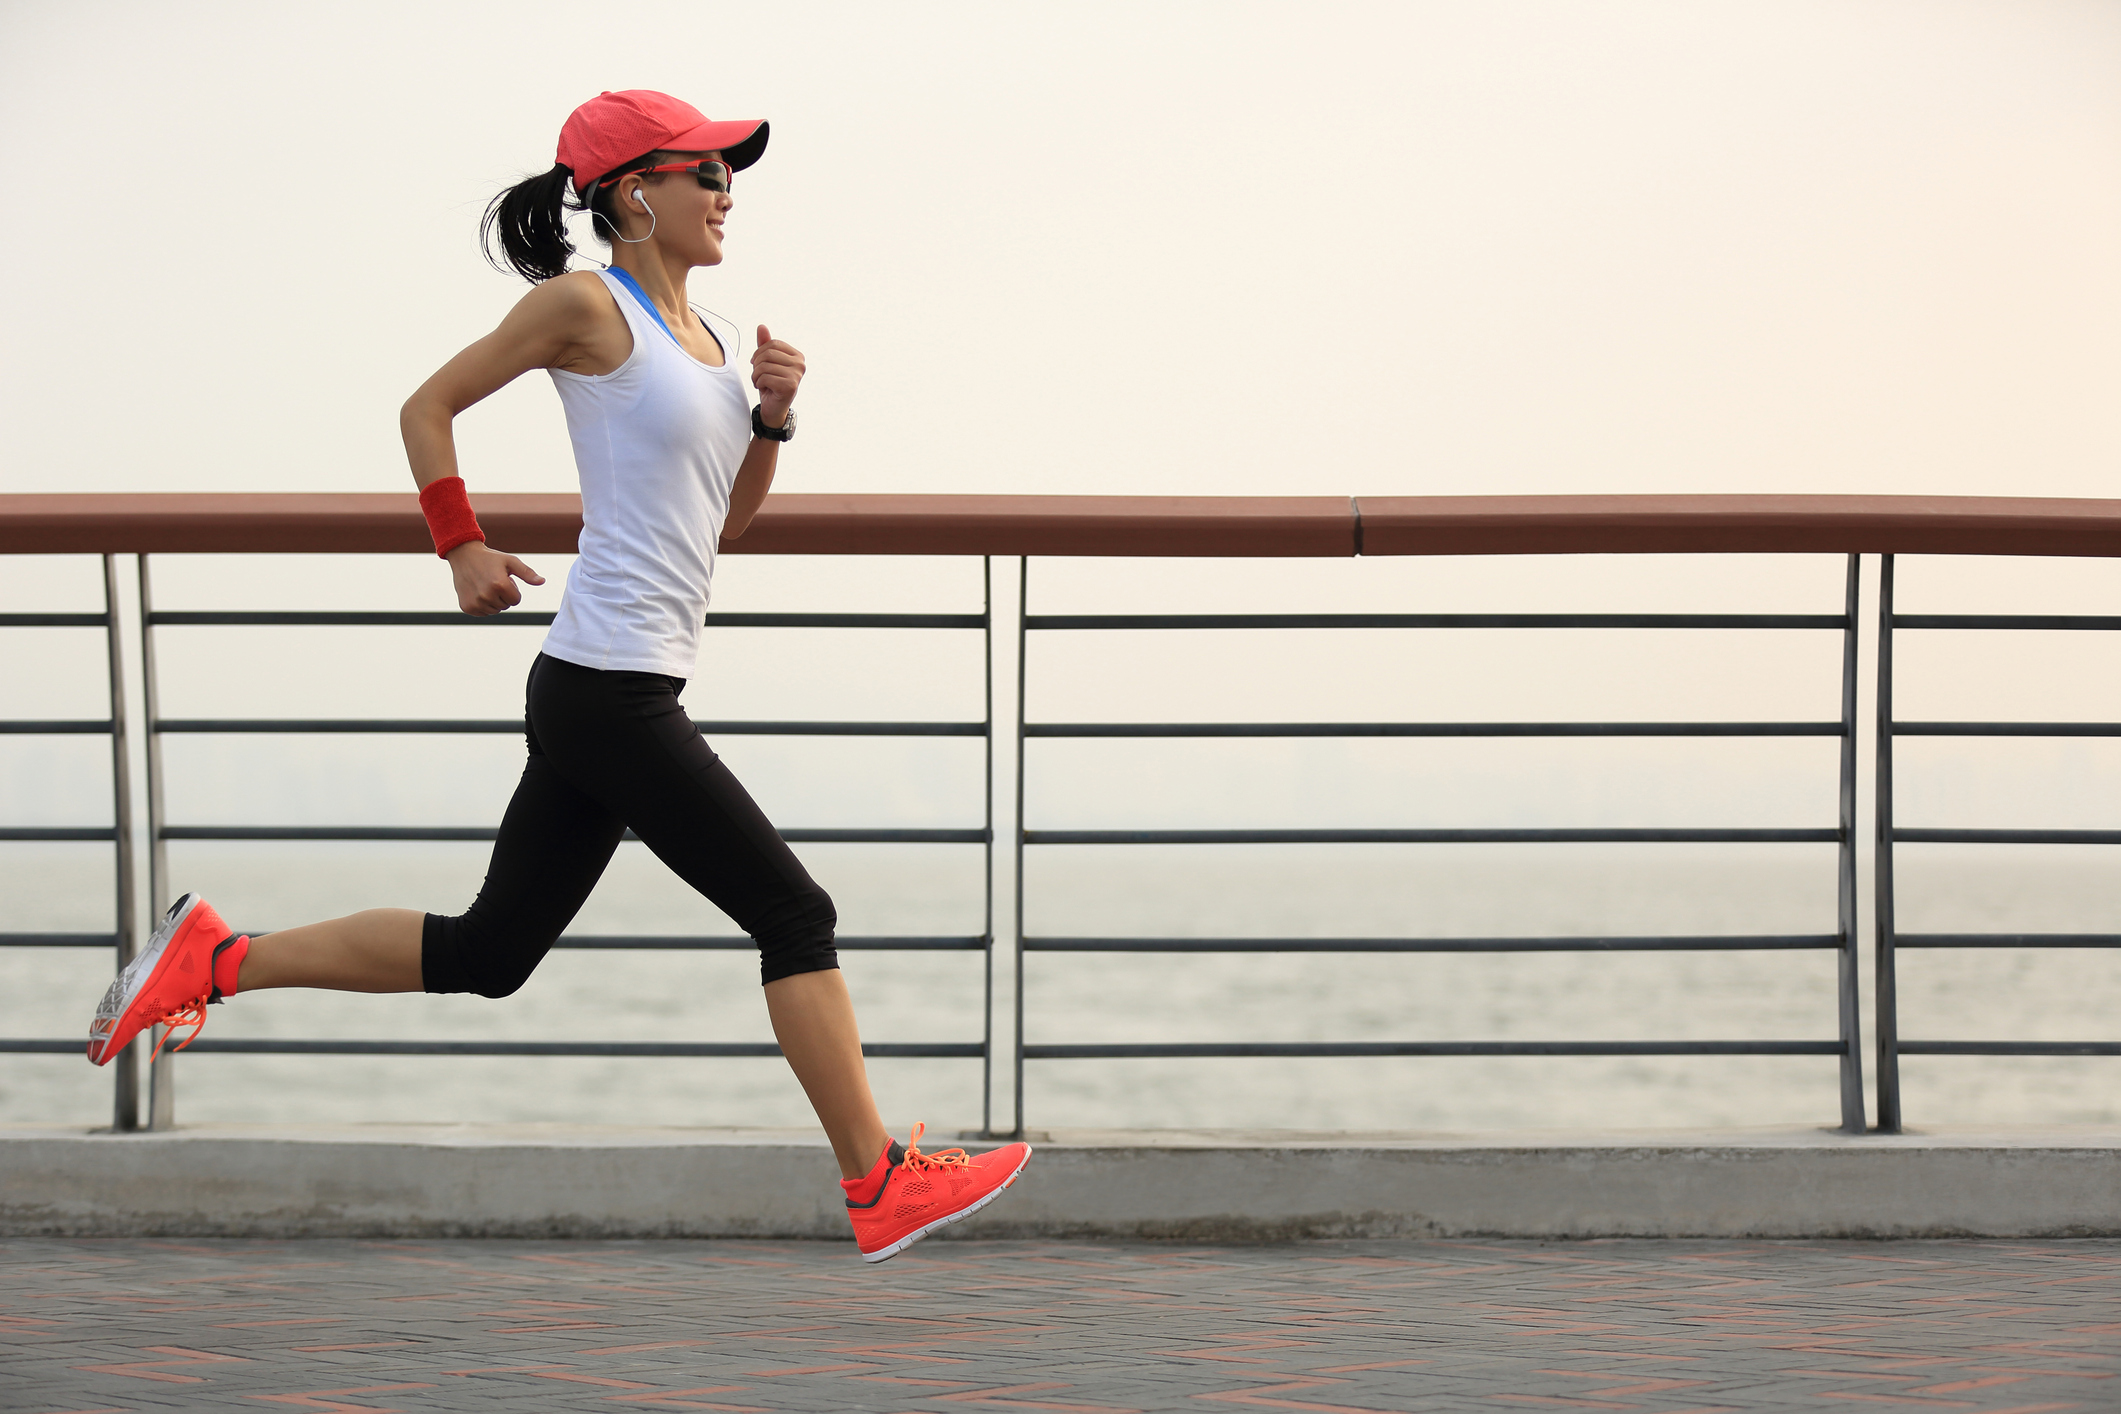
[
  {"x": 776, "y": 371},
  {"x": 753, "y": 480},
  {"x": 563, "y": 323}
]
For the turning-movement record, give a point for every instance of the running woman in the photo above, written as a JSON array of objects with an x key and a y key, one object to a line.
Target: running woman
[{"x": 673, "y": 458}]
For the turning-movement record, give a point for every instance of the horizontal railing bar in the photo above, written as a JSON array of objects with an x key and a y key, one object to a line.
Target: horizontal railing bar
[
  {"x": 2007, "y": 729},
  {"x": 876, "y": 1049},
  {"x": 340, "y": 618},
  {"x": 646, "y": 942},
  {"x": 1183, "y": 1050},
  {"x": 1173, "y": 526},
  {"x": 2010, "y": 1048},
  {"x": 1731, "y": 943},
  {"x": 846, "y": 621},
  {"x": 974, "y": 729},
  {"x": 520, "y": 1048},
  {"x": 440, "y": 833},
  {"x": 22, "y": 833},
  {"x": 1427, "y": 729},
  {"x": 388, "y": 618},
  {"x": 2013, "y": 621},
  {"x": 323, "y": 725},
  {"x": 28, "y": 727},
  {"x": 881, "y": 836},
  {"x": 1906, "y": 836},
  {"x": 58, "y": 940},
  {"x": 54, "y": 620},
  {"x": 1486, "y": 836},
  {"x": 678, "y": 942},
  {"x": 1228, "y": 621},
  {"x": 428, "y": 833},
  {"x": 659, "y": 942},
  {"x": 514, "y": 725},
  {"x": 2007, "y": 940}
]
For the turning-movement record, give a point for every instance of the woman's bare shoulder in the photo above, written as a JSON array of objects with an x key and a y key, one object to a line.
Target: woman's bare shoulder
[
  {"x": 570, "y": 322},
  {"x": 573, "y": 295}
]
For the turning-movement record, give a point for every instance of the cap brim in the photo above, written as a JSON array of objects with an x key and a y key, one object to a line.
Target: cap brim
[{"x": 741, "y": 141}]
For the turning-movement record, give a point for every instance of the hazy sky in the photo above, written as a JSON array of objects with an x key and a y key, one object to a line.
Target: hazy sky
[
  {"x": 1177, "y": 248},
  {"x": 1225, "y": 247},
  {"x": 1444, "y": 247}
]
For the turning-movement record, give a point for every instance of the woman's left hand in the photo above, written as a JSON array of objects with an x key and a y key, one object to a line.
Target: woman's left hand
[{"x": 776, "y": 371}]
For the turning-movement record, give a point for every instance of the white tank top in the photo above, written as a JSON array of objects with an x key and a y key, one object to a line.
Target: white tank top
[{"x": 657, "y": 441}]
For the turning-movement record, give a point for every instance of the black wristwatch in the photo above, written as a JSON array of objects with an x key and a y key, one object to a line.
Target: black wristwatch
[{"x": 773, "y": 434}]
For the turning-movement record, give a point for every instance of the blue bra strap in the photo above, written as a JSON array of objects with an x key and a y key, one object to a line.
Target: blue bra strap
[{"x": 642, "y": 296}]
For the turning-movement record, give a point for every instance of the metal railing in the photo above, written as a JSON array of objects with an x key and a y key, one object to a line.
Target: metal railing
[
  {"x": 1030, "y": 527},
  {"x": 160, "y": 832},
  {"x": 125, "y": 1109},
  {"x": 1891, "y": 1046},
  {"x": 1842, "y": 834}
]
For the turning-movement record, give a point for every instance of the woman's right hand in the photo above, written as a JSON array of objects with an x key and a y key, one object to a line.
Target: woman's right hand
[{"x": 486, "y": 578}]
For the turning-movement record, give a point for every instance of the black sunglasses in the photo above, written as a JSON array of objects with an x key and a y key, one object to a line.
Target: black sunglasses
[{"x": 713, "y": 175}]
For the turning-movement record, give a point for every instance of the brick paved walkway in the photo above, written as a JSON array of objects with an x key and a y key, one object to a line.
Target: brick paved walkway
[{"x": 617, "y": 1326}]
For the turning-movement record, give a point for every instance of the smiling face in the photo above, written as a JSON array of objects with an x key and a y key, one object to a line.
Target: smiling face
[{"x": 688, "y": 217}]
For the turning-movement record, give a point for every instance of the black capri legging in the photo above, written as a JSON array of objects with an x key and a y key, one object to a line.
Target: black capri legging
[{"x": 610, "y": 750}]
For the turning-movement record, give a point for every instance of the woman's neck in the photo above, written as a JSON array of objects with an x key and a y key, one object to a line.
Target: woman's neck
[{"x": 663, "y": 281}]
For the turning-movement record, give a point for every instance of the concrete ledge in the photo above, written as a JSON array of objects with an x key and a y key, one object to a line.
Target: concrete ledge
[{"x": 559, "y": 1181}]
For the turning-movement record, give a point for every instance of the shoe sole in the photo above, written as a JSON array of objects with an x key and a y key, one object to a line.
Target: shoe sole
[
  {"x": 149, "y": 963},
  {"x": 884, "y": 1254}
]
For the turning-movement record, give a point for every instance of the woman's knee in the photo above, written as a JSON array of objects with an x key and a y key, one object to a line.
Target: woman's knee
[
  {"x": 797, "y": 936},
  {"x": 460, "y": 955}
]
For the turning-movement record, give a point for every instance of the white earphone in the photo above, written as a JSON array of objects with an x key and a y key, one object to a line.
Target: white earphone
[
  {"x": 642, "y": 202},
  {"x": 638, "y": 200}
]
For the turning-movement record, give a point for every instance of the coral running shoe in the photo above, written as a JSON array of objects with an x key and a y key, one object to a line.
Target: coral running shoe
[
  {"x": 169, "y": 983},
  {"x": 910, "y": 1194}
]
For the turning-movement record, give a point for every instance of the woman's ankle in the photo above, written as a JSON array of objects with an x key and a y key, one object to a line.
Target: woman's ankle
[
  {"x": 228, "y": 966},
  {"x": 864, "y": 1188}
]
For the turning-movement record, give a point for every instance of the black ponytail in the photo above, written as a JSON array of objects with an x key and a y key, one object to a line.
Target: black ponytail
[
  {"x": 530, "y": 221},
  {"x": 530, "y": 218}
]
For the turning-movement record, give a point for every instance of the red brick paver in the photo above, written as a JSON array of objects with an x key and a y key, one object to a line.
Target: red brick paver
[{"x": 1665, "y": 1327}]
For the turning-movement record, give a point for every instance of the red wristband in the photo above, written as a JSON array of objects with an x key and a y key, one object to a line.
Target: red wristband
[{"x": 449, "y": 517}]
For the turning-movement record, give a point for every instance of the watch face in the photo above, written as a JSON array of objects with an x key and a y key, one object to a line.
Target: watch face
[{"x": 788, "y": 427}]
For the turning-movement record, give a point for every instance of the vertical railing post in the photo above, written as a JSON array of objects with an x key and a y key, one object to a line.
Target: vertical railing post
[
  {"x": 162, "y": 1074},
  {"x": 1888, "y": 1005},
  {"x": 1850, "y": 975},
  {"x": 986, "y": 1089},
  {"x": 125, "y": 1107},
  {"x": 1023, "y": 612}
]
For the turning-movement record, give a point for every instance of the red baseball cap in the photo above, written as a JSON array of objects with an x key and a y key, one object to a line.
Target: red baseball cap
[{"x": 614, "y": 128}]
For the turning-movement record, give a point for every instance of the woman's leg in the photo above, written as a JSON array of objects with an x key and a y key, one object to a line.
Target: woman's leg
[
  {"x": 375, "y": 950},
  {"x": 552, "y": 847},
  {"x": 624, "y": 738},
  {"x": 722, "y": 844},
  {"x": 813, "y": 1019}
]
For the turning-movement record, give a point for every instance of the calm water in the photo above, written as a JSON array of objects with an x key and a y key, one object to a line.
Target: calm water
[
  {"x": 1324, "y": 892},
  {"x": 1101, "y": 997}
]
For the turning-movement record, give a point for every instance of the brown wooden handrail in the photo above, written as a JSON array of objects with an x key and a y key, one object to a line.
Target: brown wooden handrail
[{"x": 1203, "y": 526}]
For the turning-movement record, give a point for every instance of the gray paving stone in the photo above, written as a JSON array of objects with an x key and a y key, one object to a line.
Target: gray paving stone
[{"x": 1666, "y": 1327}]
